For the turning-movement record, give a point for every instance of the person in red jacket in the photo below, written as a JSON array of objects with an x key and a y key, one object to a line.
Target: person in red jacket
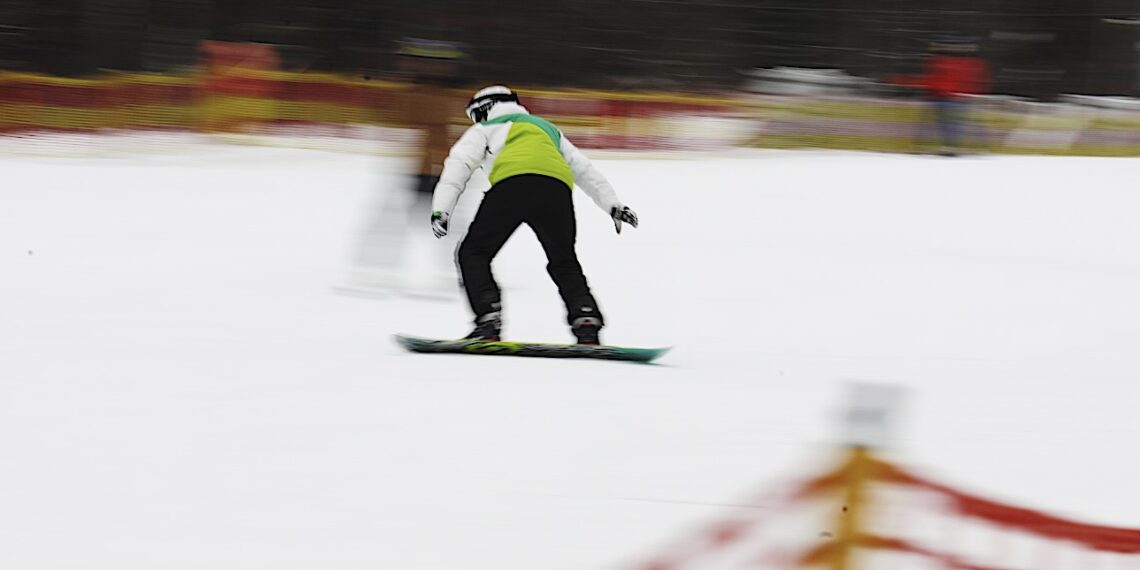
[{"x": 952, "y": 73}]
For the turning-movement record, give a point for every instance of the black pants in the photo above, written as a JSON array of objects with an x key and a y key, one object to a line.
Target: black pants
[{"x": 545, "y": 204}]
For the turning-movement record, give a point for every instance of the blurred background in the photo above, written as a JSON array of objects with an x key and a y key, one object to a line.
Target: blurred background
[
  {"x": 177, "y": 62},
  {"x": 1038, "y": 48},
  {"x": 1013, "y": 269}
]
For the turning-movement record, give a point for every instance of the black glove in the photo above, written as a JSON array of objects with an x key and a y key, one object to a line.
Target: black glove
[
  {"x": 439, "y": 224},
  {"x": 623, "y": 214}
]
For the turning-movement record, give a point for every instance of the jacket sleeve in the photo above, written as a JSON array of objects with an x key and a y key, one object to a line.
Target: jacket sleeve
[
  {"x": 466, "y": 155},
  {"x": 588, "y": 177}
]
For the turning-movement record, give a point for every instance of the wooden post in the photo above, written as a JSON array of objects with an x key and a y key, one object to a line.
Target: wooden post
[
  {"x": 850, "y": 522},
  {"x": 867, "y": 424}
]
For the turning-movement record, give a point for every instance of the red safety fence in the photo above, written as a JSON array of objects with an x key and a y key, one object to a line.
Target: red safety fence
[{"x": 870, "y": 514}]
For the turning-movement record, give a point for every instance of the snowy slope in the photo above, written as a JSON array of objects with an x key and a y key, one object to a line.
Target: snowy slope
[{"x": 182, "y": 388}]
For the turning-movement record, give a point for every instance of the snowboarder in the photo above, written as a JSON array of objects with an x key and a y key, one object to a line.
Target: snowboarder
[{"x": 532, "y": 167}]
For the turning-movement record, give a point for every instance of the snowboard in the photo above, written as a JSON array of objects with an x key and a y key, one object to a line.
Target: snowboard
[{"x": 530, "y": 349}]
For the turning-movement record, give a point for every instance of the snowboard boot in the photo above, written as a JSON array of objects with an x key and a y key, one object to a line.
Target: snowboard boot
[
  {"x": 586, "y": 330},
  {"x": 487, "y": 327}
]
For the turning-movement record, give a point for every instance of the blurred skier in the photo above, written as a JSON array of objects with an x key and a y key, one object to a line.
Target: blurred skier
[
  {"x": 427, "y": 105},
  {"x": 532, "y": 168}
]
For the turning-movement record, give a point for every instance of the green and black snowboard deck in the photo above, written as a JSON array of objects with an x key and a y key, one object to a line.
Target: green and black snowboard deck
[{"x": 530, "y": 349}]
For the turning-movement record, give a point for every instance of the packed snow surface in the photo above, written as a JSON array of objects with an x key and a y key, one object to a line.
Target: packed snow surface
[{"x": 184, "y": 384}]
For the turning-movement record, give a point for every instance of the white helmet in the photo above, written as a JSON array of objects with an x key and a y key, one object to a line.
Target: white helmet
[{"x": 487, "y": 97}]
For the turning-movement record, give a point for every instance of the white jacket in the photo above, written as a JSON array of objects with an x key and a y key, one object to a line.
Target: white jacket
[{"x": 483, "y": 143}]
